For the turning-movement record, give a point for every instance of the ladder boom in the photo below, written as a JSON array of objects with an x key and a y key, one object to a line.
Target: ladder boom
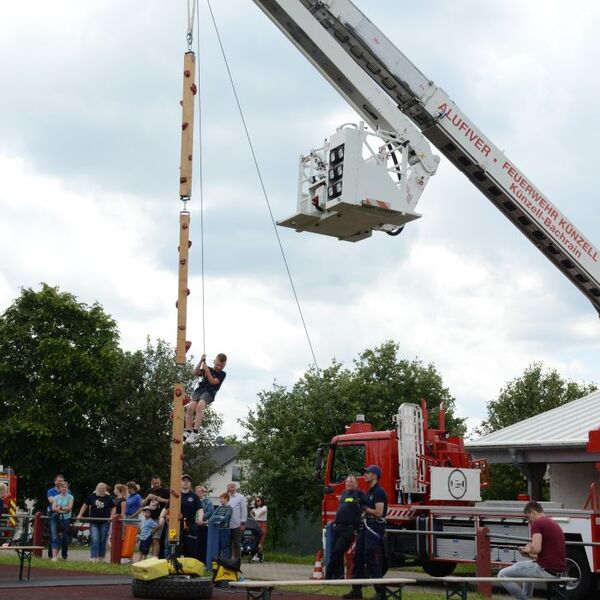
[{"x": 381, "y": 83}]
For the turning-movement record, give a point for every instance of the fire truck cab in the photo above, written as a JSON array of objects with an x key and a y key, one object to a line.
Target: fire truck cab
[{"x": 9, "y": 521}]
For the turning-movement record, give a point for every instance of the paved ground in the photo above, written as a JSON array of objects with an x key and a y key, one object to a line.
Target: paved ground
[
  {"x": 50, "y": 584},
  {"x": 276, "y": 570},
  {"x": 47, "y": 584}
]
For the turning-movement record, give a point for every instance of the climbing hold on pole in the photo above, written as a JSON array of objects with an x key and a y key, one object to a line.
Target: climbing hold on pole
[
  {"x": 187, "y": 72},
  {"x": 178, "y": 392},
  {"x": 184, "y": 126},
  {"x": 188, "y": 345},
  {"x": 194, "y": 88}
]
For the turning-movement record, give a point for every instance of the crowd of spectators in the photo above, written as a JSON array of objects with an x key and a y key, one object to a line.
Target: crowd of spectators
[{"x": 148, "y": 513}]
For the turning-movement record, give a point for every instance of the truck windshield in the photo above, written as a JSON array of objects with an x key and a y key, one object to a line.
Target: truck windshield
[{"x": 347, "y": 460}]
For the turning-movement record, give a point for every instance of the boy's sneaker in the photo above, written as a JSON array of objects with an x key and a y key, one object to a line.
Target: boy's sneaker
[
  {"x": 255, "y": 558},
  {"x": 186, "y": 435},
  {"x": 192, "y": 437}
]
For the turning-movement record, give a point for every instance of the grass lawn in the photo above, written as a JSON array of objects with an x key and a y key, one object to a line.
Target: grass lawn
[
  {"x": 7, "y": 558},
  {"x": 292, "y": 559}
]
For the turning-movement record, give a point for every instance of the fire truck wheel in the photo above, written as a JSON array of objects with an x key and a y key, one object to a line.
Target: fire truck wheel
[
  {"x": 577, "y": 566},
  {"x": 173, "y": 586},
  {"x": 437, "y": 568}
]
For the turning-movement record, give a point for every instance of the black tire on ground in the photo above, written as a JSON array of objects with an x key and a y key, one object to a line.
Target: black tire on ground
[
  {"x": 577, "y": 566},
  {"x": 173, "y": 586},
  {"x": 437, "y": 568}
]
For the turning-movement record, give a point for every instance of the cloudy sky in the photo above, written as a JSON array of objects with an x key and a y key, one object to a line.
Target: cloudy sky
[{"x": 89, "y": 156}]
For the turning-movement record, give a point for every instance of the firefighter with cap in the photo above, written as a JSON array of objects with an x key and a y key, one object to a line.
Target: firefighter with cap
[
  {"x": 191, "y": 515},
  {"x": 369, "y": 555}
]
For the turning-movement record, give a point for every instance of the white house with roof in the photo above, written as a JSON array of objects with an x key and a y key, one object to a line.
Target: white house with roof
[
  {"x": 563, "y": 442},
  {"x": 227, "y": 468}
]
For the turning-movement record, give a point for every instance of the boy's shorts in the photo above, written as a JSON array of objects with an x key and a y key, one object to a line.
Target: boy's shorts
[
  {"x": 156, "y": 535},
  {"x": 145, "y": 545},
  {"x": 200, "y": 394}
]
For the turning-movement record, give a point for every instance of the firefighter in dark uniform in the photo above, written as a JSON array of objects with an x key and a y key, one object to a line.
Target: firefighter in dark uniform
[
  {"x": 369, "y": 545},
  {"x": 347, "y": 521}
]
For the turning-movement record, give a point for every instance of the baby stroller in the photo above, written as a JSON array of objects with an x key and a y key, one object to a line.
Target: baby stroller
[{"x": 251, "y": 541}]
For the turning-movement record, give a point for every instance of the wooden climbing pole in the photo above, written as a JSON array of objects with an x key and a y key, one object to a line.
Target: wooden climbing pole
[{"x": 183, "y": 345}]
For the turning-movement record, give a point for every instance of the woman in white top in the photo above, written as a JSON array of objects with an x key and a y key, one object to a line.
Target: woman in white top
[{"x": 259, "y": 514}]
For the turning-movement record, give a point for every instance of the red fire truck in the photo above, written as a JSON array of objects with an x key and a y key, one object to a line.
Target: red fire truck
[
  {"x": 435, "y": 506},
  {"x": 8, "y": 524}
]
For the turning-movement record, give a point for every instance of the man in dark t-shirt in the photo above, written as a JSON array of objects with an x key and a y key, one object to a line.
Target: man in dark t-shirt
[
  {"x": 347, "y": 520},
  {"x": 368, "y": 556},
  {"x": 546, "y": 552},
  {"x": 157, "y": 498},
  {"x": 190, "y": 517}
]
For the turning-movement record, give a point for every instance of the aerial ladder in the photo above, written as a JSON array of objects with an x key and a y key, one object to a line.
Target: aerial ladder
[{"x": 344, "y": 187}]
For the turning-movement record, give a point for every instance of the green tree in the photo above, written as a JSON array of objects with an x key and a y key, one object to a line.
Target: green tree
[
  {"x": 284, "y": 430},
  {"x": 58, "y": 358},
  {"x": 381, "y": 381},
  {"x": 534, "y": 392}
]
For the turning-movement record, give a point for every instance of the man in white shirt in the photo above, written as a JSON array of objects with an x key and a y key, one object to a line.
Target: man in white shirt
[{"x": 237, "y": 524}]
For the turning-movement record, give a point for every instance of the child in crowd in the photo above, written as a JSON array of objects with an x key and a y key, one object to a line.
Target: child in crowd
[
  {"x": 204, "y": 394},
  {"x": 147, "y": 527},
  {"x": 221, "y": 518}
]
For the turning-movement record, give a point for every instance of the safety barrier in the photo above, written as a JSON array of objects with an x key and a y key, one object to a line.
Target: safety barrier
[{"x": 116, "y": 533}]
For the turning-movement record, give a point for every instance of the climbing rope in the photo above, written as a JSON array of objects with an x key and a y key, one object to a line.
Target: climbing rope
[
  {"x": 262, "y": 185},
  {"x": 200, "y": 179},
  {"x": 273, "y": 222}
]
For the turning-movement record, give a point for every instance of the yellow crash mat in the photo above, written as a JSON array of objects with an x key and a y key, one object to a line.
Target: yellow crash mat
[
  {"x": 151, "y": 568},
  {"x": 190, "y": 566}
]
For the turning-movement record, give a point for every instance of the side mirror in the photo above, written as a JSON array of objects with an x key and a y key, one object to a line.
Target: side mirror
[{"x": 319, "y": 464}]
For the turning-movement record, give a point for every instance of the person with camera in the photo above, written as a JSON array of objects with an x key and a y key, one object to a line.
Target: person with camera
[{"x": 546, "y": 553}]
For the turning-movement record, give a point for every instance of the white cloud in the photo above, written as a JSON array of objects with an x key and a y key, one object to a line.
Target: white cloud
[{"x": 88, "y": 189}]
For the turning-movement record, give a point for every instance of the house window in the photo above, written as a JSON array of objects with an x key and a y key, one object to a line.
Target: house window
[{"x": 236, "y": 473}]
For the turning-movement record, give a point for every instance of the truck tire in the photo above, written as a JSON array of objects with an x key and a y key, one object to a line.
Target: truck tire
[
  {"x": 438, "y": 568},
  {"x": 577, "y": 566},
  {"x": 173, "y": 586}
]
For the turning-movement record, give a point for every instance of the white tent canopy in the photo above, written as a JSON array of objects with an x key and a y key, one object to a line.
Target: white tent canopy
[{"x": 558, "y": 435}]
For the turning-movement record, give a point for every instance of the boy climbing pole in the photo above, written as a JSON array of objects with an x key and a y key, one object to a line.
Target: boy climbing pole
[{"x": 204, "y": 394}]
